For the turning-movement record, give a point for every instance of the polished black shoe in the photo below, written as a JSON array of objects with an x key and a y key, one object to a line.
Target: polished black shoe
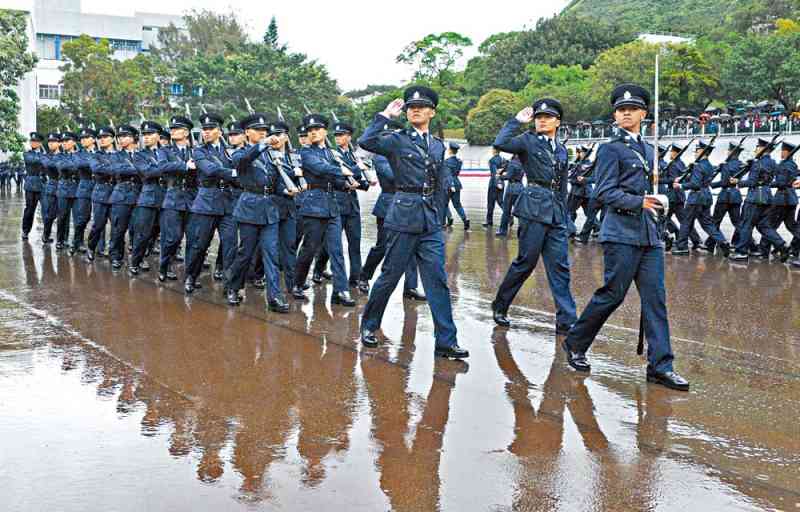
[
  {"x": 317, "y": 278},
  {"x": 562, "y": 329},
  {"x": 669, "y": 379},
  {"x": 206, "y": 265},
  {"x": 277, "y": 305},
  {"x": 172, "y": 276},
  {"x": 414, "y": 294},
  {"x": 668, "y": 244},
  {"x": 327, "y": 275},
  {"x": 680, "y": 252},
  {"x": 500, "y": 317},
  {"x": 739, "y": 256},
  {"x": 500, "y": 233},
  {"x": 47, "y": 240},
  {"x": 116, "y": 264},
  {"x": 368, "y": 338},
  {"x": 487, "y": 224},
  {"x": 725, "y": 249},
  {"x": 704, "y": 248},
  {"x": 582, "y": 240},
  {"x": 218, "y": 275},
  {"x": 71, "y": 251},
  {"x": 306, "y": 286},
  {"x": 259, "y": 284},
  {"x": 145, "y": 266},
  {"x": 795, "y": 263},
  {"x": 179, "y": 259},
  {"x": 90, "y": 256},
  {"x": 783, "y": 254},
  {"x": 189, "y": 285},
  {"x": 760, "y": 255},
  {"x": 133, "y": 270},
  {"x": 466, "y": 225},
  {"x": 363, "y": 286},
  {"x": 577, "y": 360},
  {"x": 454, "y": 352},
  {"x": 343, "y": 298},
  {"x": 59, "y": 246},
  {"x": 449, "y": 222},
  {"x": 234, "y": 299},
  {"x": 298, "y": 294},
  {"x": 162, "y": 277}
]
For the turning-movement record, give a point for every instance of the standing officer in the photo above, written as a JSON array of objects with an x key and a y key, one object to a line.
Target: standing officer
[
  {"x": 257, "y": 213},
  {"x": 784, "y": 202},
  {"x": 180, "y": 173},
  {"x": 388, "y": 188},
  {"x": 698, "y": 204},
  {"x": 494, "y": 192},
  {"x": 214, "y": 169},
  {"x": 513, "y": 174},
  {"x": 757, "y": 203},
  {"x": 677, "y": 197},
  {"x": 34, "y": 181},
  {"x": 150, "y": 198},
  {"x": 49, "y": 200},
  {"x": 413, "y": 223},
  {"x": 541, "y": 209},
  {"x": 729, "y": 199},
  {"x": 103, "y": 173},
  {"x": 631, "y": 242},
  {"x": 67, "y": 186},
  {"x": 453, "y": 165},
  {"x": 580, "y": 187},
  {"x": 226, "y": 252},
  {"x": 82, "y": 210},
  {"x": 320, "y": 210},
  {"x": 125, "y": 193}
]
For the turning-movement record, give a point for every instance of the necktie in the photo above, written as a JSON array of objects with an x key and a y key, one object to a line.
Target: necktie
[{"x": 424, "y": 139}]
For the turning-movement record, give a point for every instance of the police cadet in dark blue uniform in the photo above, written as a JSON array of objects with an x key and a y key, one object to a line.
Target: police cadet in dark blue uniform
[
  {"x": 49, "y": 199},
  {"x": 453, "y": 165},
  {"x": 513, "y": 174},
  {"x": 580, "y": 191},
  {"x": 103, "y": 174},
  {"x": 729, "y": 199},
  {"x": 320, "y": 210},
  {"x": 494, "y": 191},
  {"x": 150, "y": 198},
  {"x": 631, "y": 242},
  {"x": 214, "y": 169},
  {"x": 67, "y": 186},
  {"x": 541, "y": 209},
  {"x": 226, "y": 252},
  {"x": 257, "y": 213},
  {"x": 757, "y": 202},
  {"x": 413, "y": 222},
  {"x": 677, "y": 197},
  {"x": 388, "y": 188},
  {"x": 34, "y": 181},
  {"x": 82, "y": 209},
  {"x": 784, "y": 201},
  {"x": 179, "y": 172},
  {"x": 125, "y": 193},
  {"x": 698, "y": 204}
]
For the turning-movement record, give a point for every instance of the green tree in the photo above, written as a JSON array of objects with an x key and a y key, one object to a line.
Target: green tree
[
  {"x": 487, "y": 117},
  {"x": 435, "y": 55},
  {"x": 51, "y": 119},
  {"x": 205, "y": 33},
  {"x": 571, "y": 85},
  {"x": 271, "y": 35},
  {"x": 15, "y": 62}
]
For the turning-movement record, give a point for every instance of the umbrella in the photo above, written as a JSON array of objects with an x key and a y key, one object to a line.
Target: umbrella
[
  {"x": 599, "y": 122},
  {"x": 724, "y": 116}
]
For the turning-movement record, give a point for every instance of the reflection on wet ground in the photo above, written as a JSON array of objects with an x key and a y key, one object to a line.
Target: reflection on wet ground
[{"x": 123, "y": 394}]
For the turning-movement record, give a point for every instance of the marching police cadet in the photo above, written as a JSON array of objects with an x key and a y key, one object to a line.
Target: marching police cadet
[
  {"x": 320, "y": 209},
  {"x": 103, "y": 165},
  {"x": 67, "y": 186},
  {"x": 150, "y": 198},
  {"x": 631, "y": 242},
  {"x": 231, "y": 193},
  {"x": 413, "y": 222},
  {"x": 124, "y": 196},
  {"x": 453, "y": 165},
  {"x": 82, "y": 209},
  {"x": 784, "y": 202},
  {"x": 729, "y": 199},
  {"x": 34, "y": 181},
  {"x": 541, "y": 209},
  {"x": 257, "y": 213},
  {"x": 513, "y": 174},
  {"x": 49, "y": 200},
  {"x": 180, "y": 173},
  {"x": 302, "y": 138},
  {"x": 383, "y": 169},
  {"x": 756, "y": 205},
  {"x": 698, "y": 204},
  {"x": 580, "y": 187},
  {"x": 214, "y": 169},
  {"x": 494, "y": 192},
  {"x": 677, "y": 197}
]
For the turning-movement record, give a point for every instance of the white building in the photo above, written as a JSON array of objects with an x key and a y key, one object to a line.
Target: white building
[{"x": 51, "y": 23}]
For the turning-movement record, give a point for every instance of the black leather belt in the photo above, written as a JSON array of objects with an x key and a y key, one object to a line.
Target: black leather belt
[
  {"x": 315, "y": 186},
  {"x": 628, "y": 213},
  {"x": 127, "y": 179},
  {"x": 515, "y": 181},
  {"x": 552, "y": 185},
  {"x": 210, "y": 183},
  {"x": 389, "y": 190},
  {"x": 425, "y": 191},
  {"x": 266, "y": 191}
]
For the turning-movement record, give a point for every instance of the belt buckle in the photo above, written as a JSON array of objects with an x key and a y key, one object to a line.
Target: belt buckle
[
  {"x": 555, "y": 185},
  {"x": 427, "y": 190}
]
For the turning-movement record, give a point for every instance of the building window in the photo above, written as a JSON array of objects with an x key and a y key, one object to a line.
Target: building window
[
  {"x": 197, "y": 91},
  {"x": 46, "y": 46},
  {"x": 49, "y": 92},
  {"x": 176, "y": 89}
]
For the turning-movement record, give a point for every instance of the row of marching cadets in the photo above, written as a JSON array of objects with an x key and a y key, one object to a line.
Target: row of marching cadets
[
  {"x": 688, "y": 189},
  {"x": 148, "y": 191}
]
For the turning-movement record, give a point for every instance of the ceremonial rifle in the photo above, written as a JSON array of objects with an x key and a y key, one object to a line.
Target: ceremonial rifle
[
  {"x": 287, "y": 181},
  {"x": 704, "y": 153},
  {"x": 290, "y": 149},
  {"x": 365, "y": 168},
  {"x": 733, "y": 154},
  {"x": 336, "y": 156},
  {"x": 678, "y": 156},
  {"x": 769, "y": 148}
]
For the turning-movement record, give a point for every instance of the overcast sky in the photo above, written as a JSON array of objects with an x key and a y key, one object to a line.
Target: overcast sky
[{"x": 358, "y": 40}]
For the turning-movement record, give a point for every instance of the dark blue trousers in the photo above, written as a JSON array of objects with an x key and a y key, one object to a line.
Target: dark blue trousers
[
  {"x": 287, "y": 250},
  {"x": 754, "y": 216},
  {"x": 494, "y": 196},
  {"x": 351, "y": 225},
  {"x": 678, "y": 210},
  {"x": 64, "y": 214},
  {"x": 198, "y": 239},
  {"x": 316, "y": 232},
  {"x": 378, "y": 252},
  {"x": 31, "y": 201},
  {"x": 263, "y": 239},
  {"x": 455, "y": 198},
  {"x": 625, "y": 264},
  {"x": 777, "y": 215},
  {"x": 429, "y": 252},
  {"x": 173, "y": 226},
  {"x": 49, "y": 213},
  {"x": 550, "y": 242},
  {"x": 733, "y": 211},
  {"x": 100, "y": 215},
  {"x": 507, "y": 220},
  {"x": 120, "y": 222},
  {"x": 591, "y": 223},
  {"x": 144, "y": 218},
  {"x": 701, "y": 213},
  {"x": 81, "y": 214}
]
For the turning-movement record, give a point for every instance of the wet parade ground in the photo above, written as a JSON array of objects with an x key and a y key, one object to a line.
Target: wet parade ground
[{"x": 122, "y": 394}]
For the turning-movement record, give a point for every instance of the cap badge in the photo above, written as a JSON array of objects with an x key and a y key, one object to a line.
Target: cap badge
[
  {"x": 627, "y": 95},
  {"x": 311, "y": 121},
  {"x": 416, "y": 95},
  {"x": 543, "y": 106}
]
